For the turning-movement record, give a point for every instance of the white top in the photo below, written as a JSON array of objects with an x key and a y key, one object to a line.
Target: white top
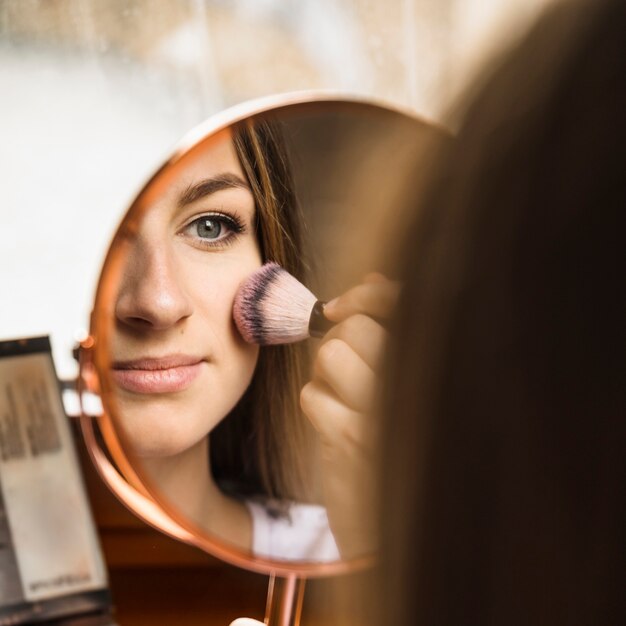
[{"x": 292, "y": 532}]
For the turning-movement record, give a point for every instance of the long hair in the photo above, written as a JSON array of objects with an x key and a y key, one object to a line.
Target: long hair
[
  {"x": 504, "y": 462},
  {"x": 263, "y": 446}
]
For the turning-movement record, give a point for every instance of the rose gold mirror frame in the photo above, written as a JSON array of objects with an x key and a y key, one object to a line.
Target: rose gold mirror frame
[{"x": 286, "y": 579}]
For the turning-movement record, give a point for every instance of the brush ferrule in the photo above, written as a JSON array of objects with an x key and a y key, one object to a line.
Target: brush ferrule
[{"x": 318, "y": 324}]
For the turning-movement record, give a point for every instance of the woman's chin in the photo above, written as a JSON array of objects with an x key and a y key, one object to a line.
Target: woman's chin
[
  {"x": 158, "y": 445},
  {"x": 148, "y": 434},
  {"x": 167, "y": 425},
  {"x": 157, "y": 449}
]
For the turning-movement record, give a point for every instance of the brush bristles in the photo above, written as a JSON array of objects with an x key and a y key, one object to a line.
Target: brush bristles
[{"x": 272, "y": 307}]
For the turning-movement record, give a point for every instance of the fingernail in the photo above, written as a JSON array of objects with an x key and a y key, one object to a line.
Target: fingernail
[{"x": 330, "y": 305}]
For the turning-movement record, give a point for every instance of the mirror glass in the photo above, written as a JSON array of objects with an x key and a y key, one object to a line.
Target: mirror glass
[{"x": 208, "y": 425}]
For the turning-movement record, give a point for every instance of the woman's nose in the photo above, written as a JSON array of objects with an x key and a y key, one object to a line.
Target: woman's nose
[{"x": 152, "y": 294}]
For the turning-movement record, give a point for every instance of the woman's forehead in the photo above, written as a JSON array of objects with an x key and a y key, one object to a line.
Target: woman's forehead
[
  {"x": 218, "y": 157},
  {"x": 213, "y": 169}
]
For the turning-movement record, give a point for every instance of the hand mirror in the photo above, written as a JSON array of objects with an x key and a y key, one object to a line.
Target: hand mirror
[{"x": 204, "y": 436}]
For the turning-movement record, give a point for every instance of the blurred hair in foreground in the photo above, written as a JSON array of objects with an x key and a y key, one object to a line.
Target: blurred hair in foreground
[{"x": 504, "y": 425}]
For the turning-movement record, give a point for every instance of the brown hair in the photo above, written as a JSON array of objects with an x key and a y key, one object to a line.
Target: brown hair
[
  {"x": 504, "y": 463},
  {"x": 263, "y": 446}
]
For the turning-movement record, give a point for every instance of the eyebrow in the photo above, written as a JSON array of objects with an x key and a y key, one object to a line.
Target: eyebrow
[{"x": 211, "y": 185}]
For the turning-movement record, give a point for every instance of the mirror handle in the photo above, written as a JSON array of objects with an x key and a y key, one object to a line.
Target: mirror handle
[{"x": 284, "y": 600}]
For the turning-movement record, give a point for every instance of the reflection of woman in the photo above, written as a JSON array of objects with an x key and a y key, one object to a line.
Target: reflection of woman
[{"x": 181, "y": 370}]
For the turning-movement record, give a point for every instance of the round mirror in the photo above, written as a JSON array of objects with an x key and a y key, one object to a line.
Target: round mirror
[{"x": 206, "y": 429}]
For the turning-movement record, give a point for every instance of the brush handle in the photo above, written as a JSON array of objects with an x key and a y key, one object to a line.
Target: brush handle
[{"x": 318, "y": 324}]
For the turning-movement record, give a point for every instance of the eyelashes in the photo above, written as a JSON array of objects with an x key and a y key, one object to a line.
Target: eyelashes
[{"x": 214, "y": 229}]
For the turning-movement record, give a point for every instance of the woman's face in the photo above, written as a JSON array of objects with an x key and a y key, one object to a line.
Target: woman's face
[{"x": 179, "y": 363}]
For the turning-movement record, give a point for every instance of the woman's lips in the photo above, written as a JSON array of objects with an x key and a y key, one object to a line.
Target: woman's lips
[{"x": 163, "y": 375}]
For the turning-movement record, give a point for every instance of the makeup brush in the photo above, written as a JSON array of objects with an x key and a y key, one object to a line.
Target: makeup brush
[{"x": 272, "y": 307}]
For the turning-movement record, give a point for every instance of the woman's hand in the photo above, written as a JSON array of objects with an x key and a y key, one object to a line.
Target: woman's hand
[{"x": 340, "y": 401}]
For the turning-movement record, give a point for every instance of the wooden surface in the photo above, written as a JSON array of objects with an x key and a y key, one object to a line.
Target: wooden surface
[
  {"x": 210, "y": 597},
  {"x": 186, "y": 596}
]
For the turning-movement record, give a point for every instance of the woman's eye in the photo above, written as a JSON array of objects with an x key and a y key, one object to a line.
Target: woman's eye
[
  {"x": 209, "y": 228},
  {"x": 213, "y": 229}
]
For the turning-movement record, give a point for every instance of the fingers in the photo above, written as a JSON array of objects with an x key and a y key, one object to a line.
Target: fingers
[
  {"x": 332, "y": 419},
  {"x": 364, "y": 335},
  {"x": 345, "y": 383},
  {"x": 346, "y": 373},
  {"x": 376, "y": 296}
]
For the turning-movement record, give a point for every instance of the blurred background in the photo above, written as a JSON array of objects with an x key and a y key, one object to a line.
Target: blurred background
[{"x": 94, "y": 94}]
